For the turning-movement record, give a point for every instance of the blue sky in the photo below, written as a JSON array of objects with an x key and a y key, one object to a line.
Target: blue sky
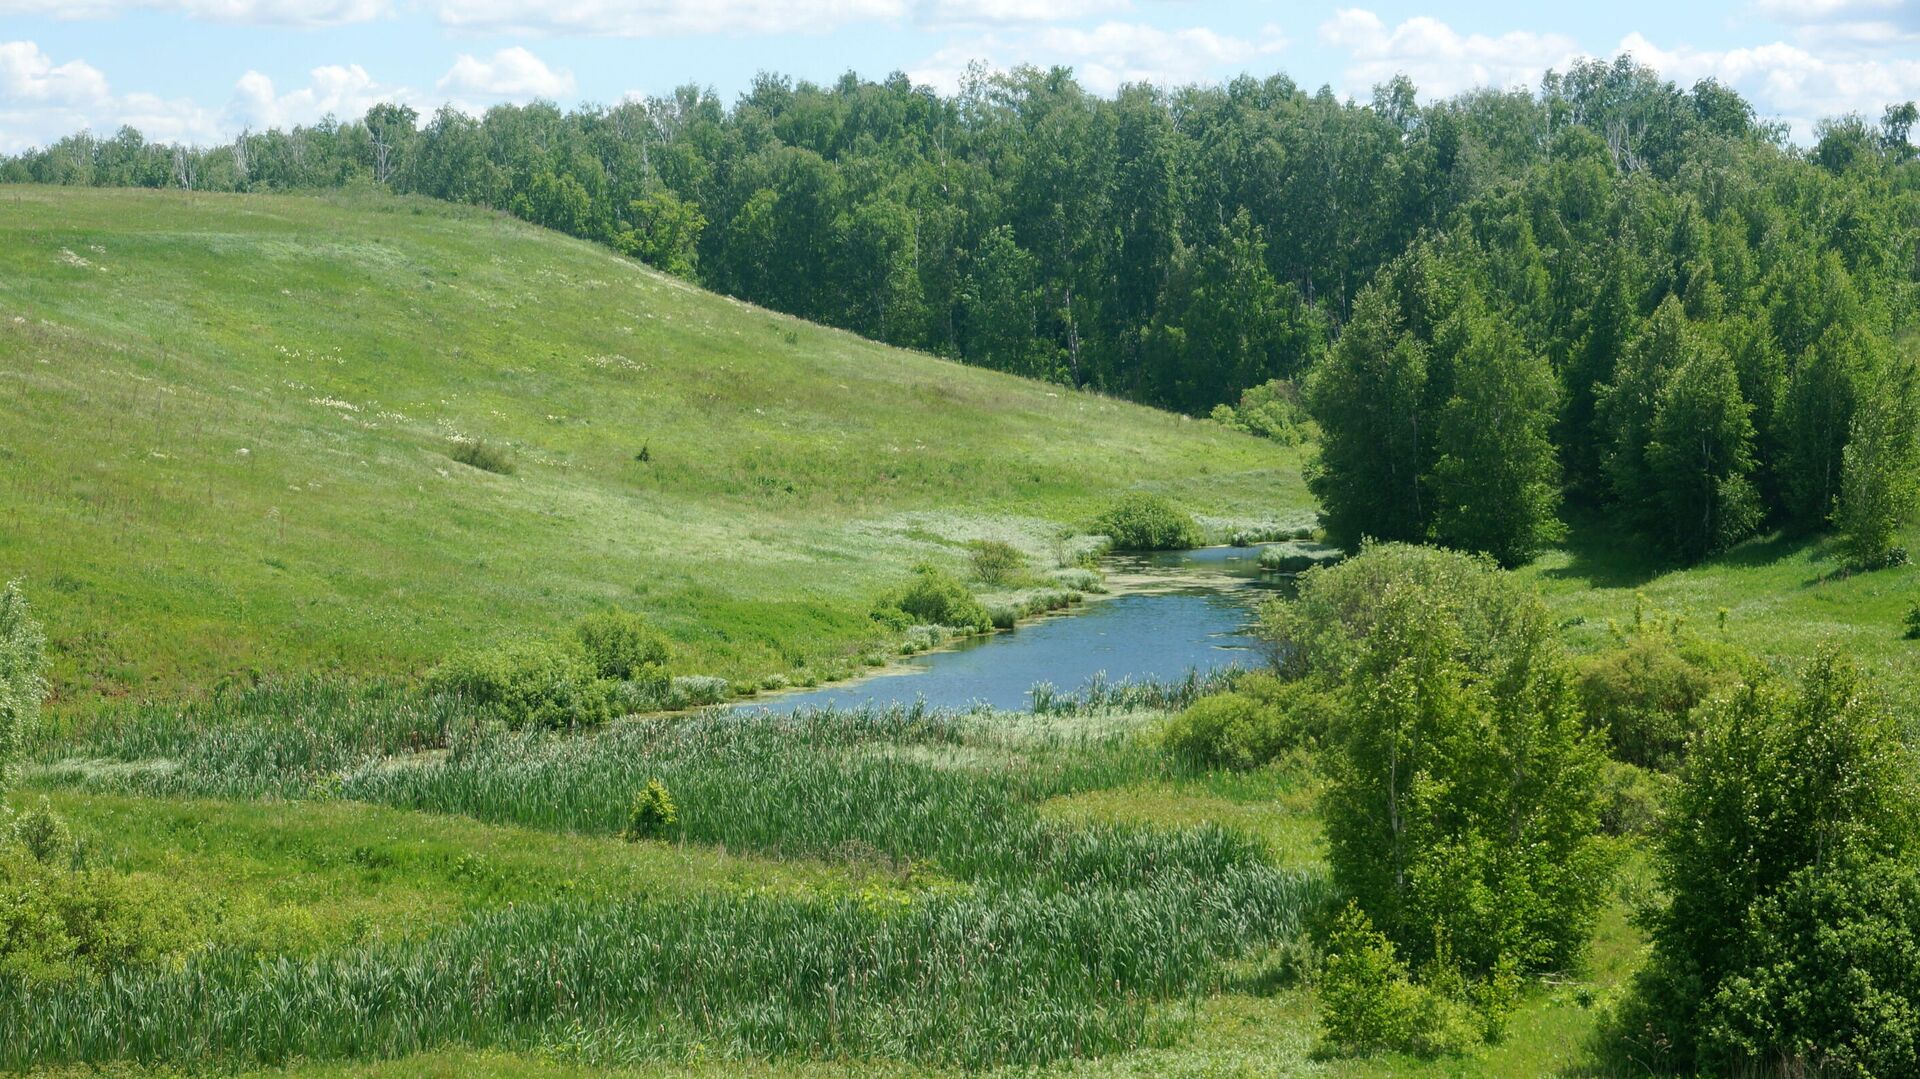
[{"x": 200, "y": 70}]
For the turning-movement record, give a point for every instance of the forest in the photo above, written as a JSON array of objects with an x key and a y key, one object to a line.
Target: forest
[{"x": 1672, "y": 308}]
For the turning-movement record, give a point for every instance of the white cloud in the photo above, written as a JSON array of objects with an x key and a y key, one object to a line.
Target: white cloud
[
  {"x": 1822, "y": 75},
  {"x": 1006, "y": 12},
  {"x": 1440, "y": 60},
  {"x": 289, "y": 13},
  {"x": 654, "y": 18},
  {"x": 41, "y": 101},
  {"x": 1105, "y": 57},
  {"x": 345, "y": 92},
  {"x": 1790, "y": 81},
  {"x": 508, "y": 75},
  {"x": 29, "y": 76}
]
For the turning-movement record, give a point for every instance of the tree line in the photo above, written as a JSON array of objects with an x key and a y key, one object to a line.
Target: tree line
[{"x": 1611, "y": 289}]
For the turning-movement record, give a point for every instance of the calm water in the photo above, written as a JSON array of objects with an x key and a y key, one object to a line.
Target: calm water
[{"x": 1193, "y": 610}]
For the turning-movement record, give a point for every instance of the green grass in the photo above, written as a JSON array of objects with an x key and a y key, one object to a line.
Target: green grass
[
  {"x": 926, "y": 912},
  {"x": 225, "y": 426},
  {"x": 297, "y": 878},
  {"x": 1783, "y": 597}
]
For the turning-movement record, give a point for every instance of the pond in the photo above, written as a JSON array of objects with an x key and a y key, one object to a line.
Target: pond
[{"x": 1172, "y": 612}]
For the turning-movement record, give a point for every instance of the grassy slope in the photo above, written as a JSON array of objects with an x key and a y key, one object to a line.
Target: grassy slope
[
  {"x": 1782, "y": 598},
  {"x": 224, "y": 427}
]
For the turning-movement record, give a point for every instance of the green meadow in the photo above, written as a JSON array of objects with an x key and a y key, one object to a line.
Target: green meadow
[{"x": 227, "y": 427}]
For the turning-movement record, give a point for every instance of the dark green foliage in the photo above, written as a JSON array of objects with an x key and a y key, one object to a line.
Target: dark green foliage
[
  {"x": 1880, "y": 466},
  {"x": 1366, "y": 399},
  {"x": 23, "y": 669},
  {"x": 1790, "y": 928},
  {"x": 1462, "y": 808},
  {"x": 996, "y": 562},
  {"x": 664, "y": 233},
  {"x": 1139, "y": 521},
  {"x": 530, "y": 683},
  {"x": 934, "y": 598},
  {"x": 1913, "y": 623},
  {"x": 483, "y": 455},
  {"x": 1261, "y": 720},
  {"x": 1496, "y": 486},
  {"x": 652, "y": 815},
  {"x": 621, "y": 645}
]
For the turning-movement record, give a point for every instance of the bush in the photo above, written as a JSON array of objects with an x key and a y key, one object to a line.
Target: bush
[
  {"x": 621, "y": 645},
  {"x": 995, "y": 562},
  {"x": 652, "y": 814},
  {"x": 22, "y": 676},
  {"x": 1791, "y": 931},
  {"x": 1145, "y": 522},
  {"x": 1632, "y": 799},
  {"x": 482, "y": 455},
  {"x": 1258, "y": 722},
  {"x": 59, "y": 923},
  {"x": 1453, "y": 703},
  {"x": 1643, "y": 693},
  {"x": 1913, "y": 623},
  {"x": 1270, "y": 410},
  {"x": 41, "y": 833},
  {"x": 1295, "y": 556},
  {"x": 695, "y": 690},
  {"x": 1369, "y": 1004},
  {"x": 532, "y": 683},
  {"x": 936, "y": 598}
]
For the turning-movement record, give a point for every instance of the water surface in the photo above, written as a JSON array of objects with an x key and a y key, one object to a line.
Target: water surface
[{"x": 1175, "y": 611}]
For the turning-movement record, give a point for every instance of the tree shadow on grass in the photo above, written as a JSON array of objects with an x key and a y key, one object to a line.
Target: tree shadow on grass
[{"x": 1603, "y": 554}]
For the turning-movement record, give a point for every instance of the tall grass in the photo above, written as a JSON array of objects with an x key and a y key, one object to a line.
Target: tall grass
[
  {"x": 813, "y": 783},
  {"x": 278, "y": 738},
  {"x": 1016, "y": 976}
]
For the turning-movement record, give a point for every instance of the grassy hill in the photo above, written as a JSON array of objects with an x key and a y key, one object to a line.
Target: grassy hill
[{"x": 226, "y": 426}]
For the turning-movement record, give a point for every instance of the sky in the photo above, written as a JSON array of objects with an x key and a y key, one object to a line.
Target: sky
[{"x": 200, "y": 71}]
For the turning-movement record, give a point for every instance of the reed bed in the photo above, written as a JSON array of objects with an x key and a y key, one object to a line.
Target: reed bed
[{"x": 1018, "y": 976}]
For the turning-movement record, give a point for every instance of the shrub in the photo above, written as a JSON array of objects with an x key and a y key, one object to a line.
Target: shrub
[
  {"x": 1146, "y": 522},
  {"x": 482, "y": 455},
  {"x": 58, "y": 923},
  {"x": 41, "y": 833},
  {"x": 1295, "y": 556},
  {"x": 1369, "y": 1004},
  {"x": 1259, "y": 721},
  {"x": 934, "y": 597},
  {"x": 1643, "y": 693},
  {"x": 996, "y": 562},
  {"x": 652, "y": 814},
  {"x": 1270, "y": 410},
  {"x": 1079, "y": 579},
  {"x": 621, "y": 645},
  {"x": 1632, "y": 799},
  {"x": 1913, "y": 623},
  {"x": 531, "y": 683},
  {"x": 1452, "y": 700},
  {"x": 1792, "y": 925},
  {"x": 694, "y": 690},
  {"x": 22, "y": 676}
]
